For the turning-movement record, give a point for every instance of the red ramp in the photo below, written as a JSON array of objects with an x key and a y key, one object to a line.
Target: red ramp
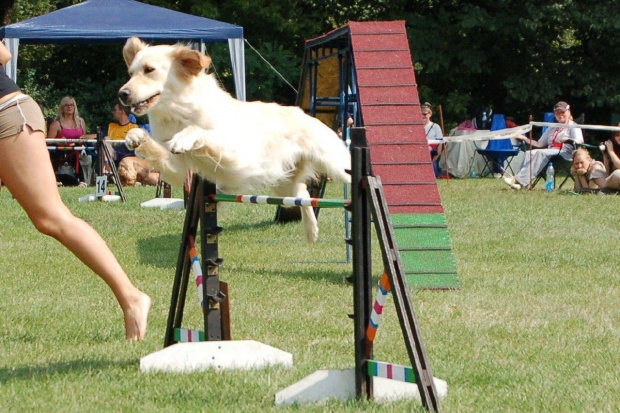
[
  {"x": 365, "y": 68},
  {"x": 390, "y": 112}
]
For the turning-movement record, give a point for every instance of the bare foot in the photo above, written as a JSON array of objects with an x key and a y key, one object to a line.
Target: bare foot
[{"x": 136, "y": 316}]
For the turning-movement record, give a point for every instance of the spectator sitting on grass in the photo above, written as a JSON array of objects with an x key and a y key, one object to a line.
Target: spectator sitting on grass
[{"x": 588, "y": 173}]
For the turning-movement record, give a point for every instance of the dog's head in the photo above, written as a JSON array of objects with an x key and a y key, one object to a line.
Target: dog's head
[{"x": 155, "y": 69}]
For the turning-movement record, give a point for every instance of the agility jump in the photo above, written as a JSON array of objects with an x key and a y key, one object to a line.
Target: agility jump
[{"x": 366, "y": 201}]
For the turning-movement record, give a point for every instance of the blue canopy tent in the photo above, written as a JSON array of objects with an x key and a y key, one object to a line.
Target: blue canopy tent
[{"x": 114, "y": 21}]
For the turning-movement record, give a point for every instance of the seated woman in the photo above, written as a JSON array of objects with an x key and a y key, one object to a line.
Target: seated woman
[
  {"x": 555, "y": 141},
  {"x": 588, "y": 173},
  {"x": 433, "y": 133},
  {"x": 611, "y": 159},
  {"x": 67, "y": 125}
]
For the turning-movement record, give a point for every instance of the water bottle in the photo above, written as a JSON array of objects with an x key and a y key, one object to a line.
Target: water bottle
[
  {"x": 484, "y": 120},
  {"x": 549, "y": 182}
]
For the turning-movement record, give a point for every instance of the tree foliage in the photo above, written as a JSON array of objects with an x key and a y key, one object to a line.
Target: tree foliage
[{"x": 519, "y": 57}]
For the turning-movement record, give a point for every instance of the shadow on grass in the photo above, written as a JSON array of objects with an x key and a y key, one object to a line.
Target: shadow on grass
[
  {"x": 336, "y": 276},
  {"x": 61, "y": 368},
  {"x": 249, "y": 226},
  {"x": 161, "y": 251}
]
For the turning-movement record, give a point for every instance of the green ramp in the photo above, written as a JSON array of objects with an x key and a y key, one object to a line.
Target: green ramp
[{"x": 426, "y": 250}]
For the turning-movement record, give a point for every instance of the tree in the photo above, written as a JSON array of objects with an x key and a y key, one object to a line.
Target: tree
[{"x": 519, "y": 57}]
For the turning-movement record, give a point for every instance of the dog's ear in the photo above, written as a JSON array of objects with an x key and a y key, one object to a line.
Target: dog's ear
[
  {"x": 131, "y": 49},
  {"x": 192, "y": 62}
]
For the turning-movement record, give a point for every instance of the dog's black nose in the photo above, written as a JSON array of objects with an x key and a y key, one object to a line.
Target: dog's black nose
[{"x": 124, "y": 95}]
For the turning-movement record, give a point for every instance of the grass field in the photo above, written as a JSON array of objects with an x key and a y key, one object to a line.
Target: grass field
[{"x": 535, "y": 325}]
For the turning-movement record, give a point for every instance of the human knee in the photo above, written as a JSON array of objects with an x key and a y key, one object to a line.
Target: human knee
[
  {"x": 613, "y": 180},
  {"x": 50, "y": 225}
]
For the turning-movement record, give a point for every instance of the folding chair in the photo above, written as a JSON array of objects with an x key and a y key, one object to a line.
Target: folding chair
[
  {"x": 498, "y": 151},
  {"x": 561, "y": 166}
]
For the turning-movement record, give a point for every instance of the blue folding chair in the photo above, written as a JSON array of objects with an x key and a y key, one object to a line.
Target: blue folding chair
[
  {"x": 498, "y": 151},
  {"x": 548, "y": 117}
]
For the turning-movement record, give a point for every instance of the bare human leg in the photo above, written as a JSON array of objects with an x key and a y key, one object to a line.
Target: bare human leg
[{"x": 27, "y": 172}]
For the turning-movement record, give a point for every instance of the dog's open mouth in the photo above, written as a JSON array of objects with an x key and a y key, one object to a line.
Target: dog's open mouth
[{"x": 145, "y": 104}]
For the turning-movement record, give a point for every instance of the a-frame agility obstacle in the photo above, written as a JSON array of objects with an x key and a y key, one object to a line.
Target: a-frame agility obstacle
[
  {"x": 367, "y": 205},
  {"x": 365, "y": 70}
]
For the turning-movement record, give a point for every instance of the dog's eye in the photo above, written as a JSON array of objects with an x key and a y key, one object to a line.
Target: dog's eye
[{"x": 148, "y": 69}]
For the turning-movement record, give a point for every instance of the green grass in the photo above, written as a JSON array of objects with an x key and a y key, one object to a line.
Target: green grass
[{"x": 534, "y": 326}]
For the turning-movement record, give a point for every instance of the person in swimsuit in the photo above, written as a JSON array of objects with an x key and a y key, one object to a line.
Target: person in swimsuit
[{"x": 27, "y": 172}]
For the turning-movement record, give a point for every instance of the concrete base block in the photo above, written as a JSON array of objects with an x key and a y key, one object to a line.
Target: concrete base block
[
  {"x": 164, "y": 203},
  {"x": 104, "y": 198},
  {"x": 340, "y": 384},
  {"x": 218, "y": 355}
]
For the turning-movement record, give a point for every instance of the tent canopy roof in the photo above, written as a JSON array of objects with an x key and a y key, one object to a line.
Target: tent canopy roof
[{"x": 113, "y": 21}]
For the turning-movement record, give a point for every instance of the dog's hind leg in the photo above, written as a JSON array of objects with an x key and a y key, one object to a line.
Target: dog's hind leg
[{"x": 308, "y": 219}]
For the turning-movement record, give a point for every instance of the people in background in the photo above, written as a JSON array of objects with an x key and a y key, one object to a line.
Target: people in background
[
  {"x": 588, "y": 173},
  {"x": 27, "y": 172},
  {"x": 347, "y": 133},
  {"x": 611, "y": 159},
  {"x": 433, "y": 133},
  {"x": 68, "y": 123},
  {"x": 118, "y": 130},
  {"x": 483, "y": 118},
  {"x": 555, "y": 141}
]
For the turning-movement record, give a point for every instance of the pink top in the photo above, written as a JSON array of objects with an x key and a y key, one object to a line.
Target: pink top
[{"x": 70, "y": 133}]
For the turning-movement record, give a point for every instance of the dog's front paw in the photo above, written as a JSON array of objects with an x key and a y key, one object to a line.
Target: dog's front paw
[
  {"x": 135, "y": 137},
  {"x": 186, "y": 140}
]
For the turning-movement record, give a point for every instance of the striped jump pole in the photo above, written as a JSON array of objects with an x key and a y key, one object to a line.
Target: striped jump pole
[
  {"x": 391, "y": 371},
  {"x": 93, "y": 142},
  {"x": 195, "y": 264},
  {"x": 68, "y": 148},
  {"x": 285, "y": 201},
  {"x": 182, "y": 335},
  {"x": 377, "y": 311}
]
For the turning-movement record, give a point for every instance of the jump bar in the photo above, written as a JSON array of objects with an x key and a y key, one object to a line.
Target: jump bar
[{"x": 285, "y": 201}]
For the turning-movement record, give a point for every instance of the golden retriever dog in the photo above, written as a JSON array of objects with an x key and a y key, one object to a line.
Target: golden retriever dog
[
  {"x": 132, "y": 169},
  {"x": 239, "y": 146}
]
